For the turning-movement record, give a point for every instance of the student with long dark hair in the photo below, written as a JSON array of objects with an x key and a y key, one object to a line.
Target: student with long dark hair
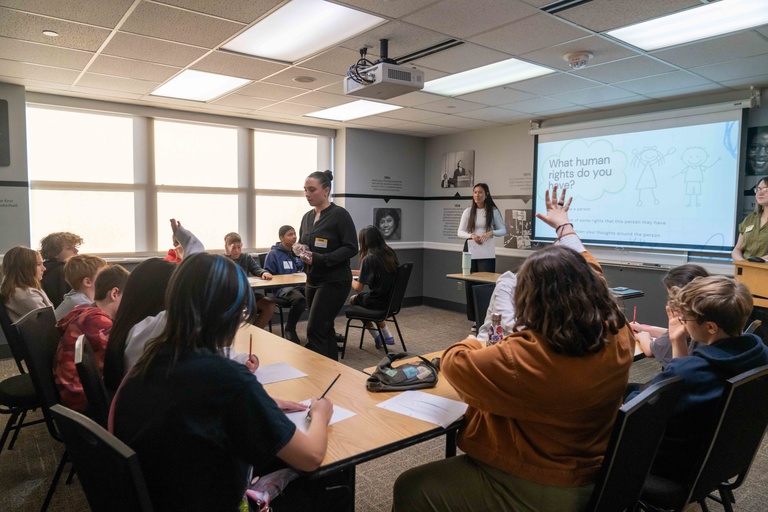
[
  {"x": 378, "y": 268},
  {"x": 329, "y": 241},
  {"x": 196, "y": 419},
  {"x": 20, "y": 290},
  {"x": 479, "y": 224},
  {"x": 543, "y": 400}
]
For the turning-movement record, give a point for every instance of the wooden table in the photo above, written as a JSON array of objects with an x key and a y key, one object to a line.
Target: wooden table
[
  {"x": 371, "y": 433},
  {"x": 278, "y": 281},
  {"x": 476, "y": 277}
]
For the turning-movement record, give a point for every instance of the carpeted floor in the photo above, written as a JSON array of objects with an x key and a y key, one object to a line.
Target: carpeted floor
[{"x": 26, "y": 471}]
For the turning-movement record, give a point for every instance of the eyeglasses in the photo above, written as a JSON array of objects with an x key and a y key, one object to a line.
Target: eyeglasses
[
  {"x": 755, "y": 148},
  {"x": 757, "y": 190},
  {"x": 683, "y": 320}
]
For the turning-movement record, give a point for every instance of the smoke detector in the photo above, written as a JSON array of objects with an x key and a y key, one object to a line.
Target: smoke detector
[{"x": 578, "y": 60}]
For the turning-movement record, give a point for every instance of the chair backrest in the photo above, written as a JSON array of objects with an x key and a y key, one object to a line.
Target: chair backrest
[
  {"x": 751, "y": 328},
  {"x": 636, "y": 435},
  {"x": 11, "y": 336},
  {"x": 108, "y": 469},
  {"x": 738, "y": 436},
  {"x": 262, "y": 258},
  {"x": 398, "y": 289},
  {"x": 91, "y": 380},
  {"x": 39, "y": 340},
  {"x": 482, "y": 294}
]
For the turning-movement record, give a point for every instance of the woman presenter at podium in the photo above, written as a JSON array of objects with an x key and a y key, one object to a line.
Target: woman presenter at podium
[{"x": 753, "y": 232}]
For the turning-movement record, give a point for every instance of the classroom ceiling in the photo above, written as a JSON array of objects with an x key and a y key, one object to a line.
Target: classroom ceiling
[{"x": 121, "y": 50}]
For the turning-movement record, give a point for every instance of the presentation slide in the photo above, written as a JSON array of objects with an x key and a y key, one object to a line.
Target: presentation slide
[{"x": 670, "y": 188}]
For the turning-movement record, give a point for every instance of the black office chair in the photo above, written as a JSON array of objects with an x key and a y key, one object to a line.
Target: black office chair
[
  {"x": 40, "y": 338},
  {"x": 108, "y": 469},
  {"x": 636, "y": 435},
  {"x": 92, "y": 382},
  {"x": 482, "y": 294},
  {"x": 751, "y": 328},
  {"x": 373, "y": 315},
  {"x": 722, "y": 464},
  {"x": 17, "y": 393}
]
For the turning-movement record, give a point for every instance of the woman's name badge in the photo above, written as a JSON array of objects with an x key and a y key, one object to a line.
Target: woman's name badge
[
  {"x": 322, "y": 243},
  {"x": 749, "y": 228}
]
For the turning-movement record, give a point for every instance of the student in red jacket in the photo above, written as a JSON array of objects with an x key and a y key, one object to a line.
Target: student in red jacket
[{"x": 542, "y": 401}]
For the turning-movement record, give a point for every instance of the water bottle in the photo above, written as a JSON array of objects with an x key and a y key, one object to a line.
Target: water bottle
[{"x": 495, "y": 332}]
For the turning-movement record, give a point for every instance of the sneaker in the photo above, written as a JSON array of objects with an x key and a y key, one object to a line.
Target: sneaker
[
  {"x": 389, "y": 340},
  {"x": 377, "y": 341}
]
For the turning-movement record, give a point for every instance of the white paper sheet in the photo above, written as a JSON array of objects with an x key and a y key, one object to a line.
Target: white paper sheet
[
  {"x": 277, "y": 372},
  {"x": 423, "y": 406},
  {"x": 483, "y": 251},
  {"x": 302, "y": 422}
]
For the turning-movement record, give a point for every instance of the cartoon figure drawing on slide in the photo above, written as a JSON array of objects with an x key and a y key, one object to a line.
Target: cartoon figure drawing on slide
[
  {"x": 694, "y": 159},
  {"x": 647, "y": 158}
]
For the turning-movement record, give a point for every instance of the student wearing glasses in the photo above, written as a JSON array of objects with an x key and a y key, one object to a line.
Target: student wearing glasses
[{"x": 753, "y": 233}]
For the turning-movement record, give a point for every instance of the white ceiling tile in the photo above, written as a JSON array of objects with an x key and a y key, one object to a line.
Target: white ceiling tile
[
  {"x": 113, "y": 83},
  {"x": 270, "y": 91},
  {"x": 602, "y": 15},
  {"x": 39, "y": 73},
  {"x": 627, "y": 69},
  {"x": 495, "y": 114},
  {"x": 171, "y": 24},
  {"x": 403, "y": 39},
  {"x": 497, "y": 96},
  {"x": 450, "y": 106},
  {"x": 537, "y": 105},
  {"x": 461, "y": 58},
  {"x": 104, "y": 94},
  {"x": 244, "y": 11},
  {"x": 244, "y": 102},
  {"x": 602, "y": 50},
  {"x": 745, "y": 83},
  {"x": 290, "y": 108},
  {"x": 665, "y": 82},
  {"x": 686, "y": 91},
  {"x": 322, "y": 99},
  {"x": 128, "y": 68},
  {"x": 29, "y": 27},
  {"x": 593, "y": 95},
  {"x": 35, "y": 85},
  {"x": 336, "y": 60},
  {"x": 226, "y": 63},
  {"x": 413, "y": 99},
  {"x": 720, "y": 49},
  {"x": 395, "y": 9},
  {"x": 287, "y": 76},
  {"x": 461, "y": 122},
  {"x": 635, "y": 100},
  {"x": 410, "y": 114},
  {"x": 529, "y": 34},
  {"x": 35, "y": 53},
  {"x": 373, "y": 121},
  {"x": 132, "y": 46},
  {"x": 735, "y": 69},
  {"x": 552, "y": 84},
  {"x": 454, "y": 18},
  {"x": 92, "y": 12}
]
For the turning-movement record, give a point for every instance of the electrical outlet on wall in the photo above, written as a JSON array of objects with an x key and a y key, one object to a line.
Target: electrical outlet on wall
[{"x": 460, "y": 285}]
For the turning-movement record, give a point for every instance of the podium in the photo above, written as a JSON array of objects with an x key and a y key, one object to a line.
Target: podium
[{"x": 755, "y": 277}]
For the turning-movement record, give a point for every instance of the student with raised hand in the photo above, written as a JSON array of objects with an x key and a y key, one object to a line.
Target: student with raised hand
[
  {"x": 655, "y": 341},
  {"x": 281, "y": 260},
  {"x": 80, "y": 271},
  {"x": 328, "y": 241},
  {"x": 20, "y": 290},
  {"x": 198, "y": 420},
  {"x": 56, "y": 249},
  {"x": 478, "y": 225},
  {"x": 265, "y": 307},
  {"x": 378, "y": 269},
  {"x": 95, "y": 322},
  {"x": 543, "y": 400},
  {"x": 711, "y": 311}
]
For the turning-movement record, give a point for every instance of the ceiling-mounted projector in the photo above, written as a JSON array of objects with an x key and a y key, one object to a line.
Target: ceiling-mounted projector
[{"x": 385, "y": 80}]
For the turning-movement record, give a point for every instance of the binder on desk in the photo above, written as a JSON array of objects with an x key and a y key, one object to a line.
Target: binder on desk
[{"x": 626, "y": 293}]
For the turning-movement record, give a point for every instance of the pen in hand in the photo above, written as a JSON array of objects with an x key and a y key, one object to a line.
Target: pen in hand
[
  {"x": 634, "y": 316},
  {"x": 324, "y": 393}
]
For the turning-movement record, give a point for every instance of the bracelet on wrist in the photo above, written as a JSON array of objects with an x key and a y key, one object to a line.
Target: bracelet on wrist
[{"x": 561, "y": 227}]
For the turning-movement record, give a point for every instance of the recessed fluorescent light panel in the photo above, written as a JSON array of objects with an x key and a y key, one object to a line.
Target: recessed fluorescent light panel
[
  {"x": 301, "y": 28},
  {"x": 693, "y": 24},
  {"x": 199, "y": 86},
  {"x": 492, "y": 75},
  {"x": 359, "y": 108}
]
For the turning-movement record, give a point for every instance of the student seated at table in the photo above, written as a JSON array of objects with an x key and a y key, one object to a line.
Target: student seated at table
[
  {"x": 502, "y": 303},
  {"x": 198, "y": 420},
  {"x": 95, "y": 322},
  {"x": 233, "y": 246},
  {"x": 378, "y": 269},
  {"x": 56, "y": 249},
  {"x": 543, "y": 400},
  {"x": 20, "y": 289},
  {"x": 80, "y": 271},
  {"x": 281, "y": 260},
  {"x": 655, "y": 340},
  {"x": 712, "y": 311}
]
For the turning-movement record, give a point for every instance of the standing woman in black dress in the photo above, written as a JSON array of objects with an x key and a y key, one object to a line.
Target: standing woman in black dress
[{"x": 330, "y": 238}]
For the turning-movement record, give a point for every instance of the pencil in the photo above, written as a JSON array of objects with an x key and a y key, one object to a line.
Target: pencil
[
  {"x": 250, "y": 347},
  {"x": 324, "y": 393},
  {"x": 634, "y": 316}
]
